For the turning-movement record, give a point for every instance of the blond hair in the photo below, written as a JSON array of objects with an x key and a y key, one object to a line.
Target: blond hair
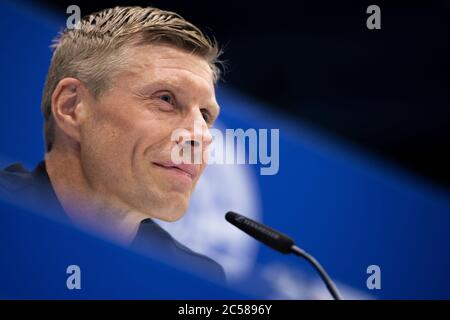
[{"x": 91, "y": 52}]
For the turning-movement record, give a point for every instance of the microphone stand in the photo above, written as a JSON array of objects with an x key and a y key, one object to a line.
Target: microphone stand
[
  {"x": 323, "y": 274},
  {"x": 280, "y": 242}
]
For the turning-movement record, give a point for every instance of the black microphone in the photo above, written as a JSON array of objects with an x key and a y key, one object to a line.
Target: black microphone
[{"x": 280, "y": 242}]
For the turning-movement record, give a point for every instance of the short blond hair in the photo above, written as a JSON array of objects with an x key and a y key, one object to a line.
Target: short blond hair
[{"x": 91, "y": 52}]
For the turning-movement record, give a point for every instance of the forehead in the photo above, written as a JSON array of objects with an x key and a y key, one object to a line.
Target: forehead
[{"x": 165, "y": 63}]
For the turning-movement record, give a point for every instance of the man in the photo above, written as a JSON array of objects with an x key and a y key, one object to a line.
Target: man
[{"x": 118, "y": 87}]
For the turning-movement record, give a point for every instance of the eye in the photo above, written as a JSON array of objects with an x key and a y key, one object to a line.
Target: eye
[
  {"x": 167, "y": 98},
  {"x": 206, "y": 115}
]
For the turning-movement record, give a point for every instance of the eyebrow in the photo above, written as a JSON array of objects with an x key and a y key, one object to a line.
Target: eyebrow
[{"x": 149, "y": 87}]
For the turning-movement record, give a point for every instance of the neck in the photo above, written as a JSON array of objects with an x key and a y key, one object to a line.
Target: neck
[{"x": 86, "y": 206}]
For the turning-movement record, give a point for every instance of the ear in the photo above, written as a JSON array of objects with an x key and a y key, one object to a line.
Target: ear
[{"x": 68, "y": 106}]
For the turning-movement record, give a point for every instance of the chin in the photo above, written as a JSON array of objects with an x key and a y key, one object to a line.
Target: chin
[
  {"x": 173, "y": 211},
  {"x": 171, "y": 216}
]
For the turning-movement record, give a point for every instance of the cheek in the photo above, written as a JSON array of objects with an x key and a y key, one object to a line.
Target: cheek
[
  {"x": 113, "y": 127},
  {"x": 105, "y": 142},
  {"x": 127, "y": 134}
]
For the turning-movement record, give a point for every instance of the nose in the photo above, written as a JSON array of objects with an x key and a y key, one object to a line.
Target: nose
[
  {"x": 192, "y": 143},
  {"x": 194, "y": 138},
  {"x": 199, "y": 134}
]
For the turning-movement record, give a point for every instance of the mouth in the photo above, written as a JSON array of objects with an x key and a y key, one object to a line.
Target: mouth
[{"x": 188, "y": 170}]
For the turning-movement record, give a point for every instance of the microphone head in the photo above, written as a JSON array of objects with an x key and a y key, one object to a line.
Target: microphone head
[{"x": 270, "y": 237}]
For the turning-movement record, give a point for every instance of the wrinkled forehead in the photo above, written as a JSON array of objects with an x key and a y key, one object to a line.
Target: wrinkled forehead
[{"x": 163, "y": 62}]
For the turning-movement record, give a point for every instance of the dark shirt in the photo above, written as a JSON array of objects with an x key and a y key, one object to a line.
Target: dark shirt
[{"x": 33, "y": 190}]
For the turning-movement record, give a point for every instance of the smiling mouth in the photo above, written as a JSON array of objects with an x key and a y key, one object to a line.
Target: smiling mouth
[{"x": 188, "y": 171}]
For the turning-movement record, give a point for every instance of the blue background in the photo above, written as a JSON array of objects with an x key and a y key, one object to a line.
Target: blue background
[{"x": 348, "y": 209}]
